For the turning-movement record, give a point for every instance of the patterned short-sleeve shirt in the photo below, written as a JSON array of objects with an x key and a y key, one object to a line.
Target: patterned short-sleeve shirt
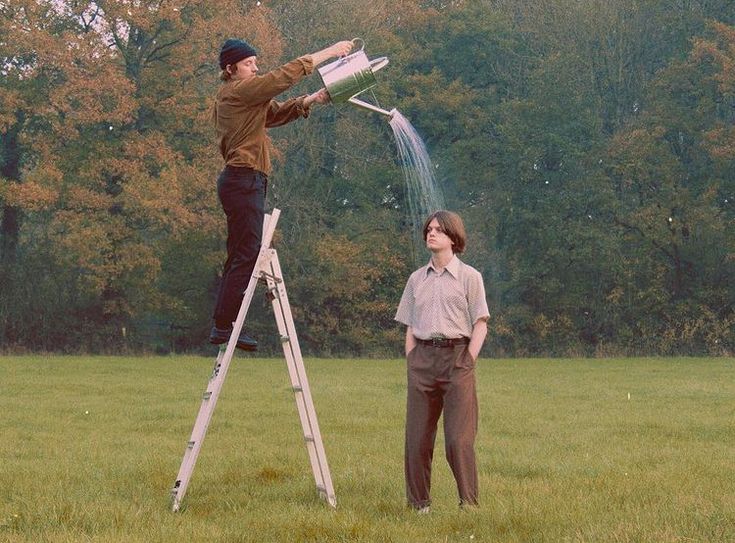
[{"x": 443, "y": 305}]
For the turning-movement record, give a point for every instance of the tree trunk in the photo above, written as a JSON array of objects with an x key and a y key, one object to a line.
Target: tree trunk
[{"x": 10, "y": 226}]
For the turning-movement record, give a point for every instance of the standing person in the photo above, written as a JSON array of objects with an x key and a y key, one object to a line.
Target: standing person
[
  {"x": 244, "y": 107},
  {"x": 445, "y": 311}
]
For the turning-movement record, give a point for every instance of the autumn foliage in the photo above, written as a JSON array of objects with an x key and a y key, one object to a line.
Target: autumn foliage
[{"x": 590, "y": 152}]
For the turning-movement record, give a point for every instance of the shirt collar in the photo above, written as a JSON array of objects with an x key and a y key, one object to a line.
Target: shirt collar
[{"x": 452, "y": 267}]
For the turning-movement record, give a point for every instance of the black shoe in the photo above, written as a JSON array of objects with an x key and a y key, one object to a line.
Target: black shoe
[{"x": 219, "y": 336}]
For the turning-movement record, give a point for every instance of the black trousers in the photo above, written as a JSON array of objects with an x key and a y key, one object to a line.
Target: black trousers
[{"x": 241, "y": 192}]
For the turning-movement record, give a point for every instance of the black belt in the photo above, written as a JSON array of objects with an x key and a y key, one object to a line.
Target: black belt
[{"x": 444, "y": 341}]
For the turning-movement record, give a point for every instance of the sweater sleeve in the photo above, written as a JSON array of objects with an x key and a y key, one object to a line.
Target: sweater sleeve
[
  {"x": 263, "y": 88},
  {"x": 282, "y": 113}
]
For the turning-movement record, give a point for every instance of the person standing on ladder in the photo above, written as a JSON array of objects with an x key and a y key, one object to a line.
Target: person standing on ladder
[
  {"x": 444, "y": 308},
  {"x": 244, "y": 107}
]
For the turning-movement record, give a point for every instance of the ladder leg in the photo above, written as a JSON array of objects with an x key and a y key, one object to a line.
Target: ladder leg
[
  {"x": 299, "y": 381},
  {"x": 219, "y": 372},
  {"x": 194, "y": 444}
]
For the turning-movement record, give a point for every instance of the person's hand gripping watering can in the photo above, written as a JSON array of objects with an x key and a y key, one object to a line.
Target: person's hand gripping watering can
[
  {"x": 339, "y": 49},
  {"x": 351, "y": 75}
]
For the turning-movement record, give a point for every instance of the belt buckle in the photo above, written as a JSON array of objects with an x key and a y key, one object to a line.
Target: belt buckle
[{"x": 438, "y": 342}]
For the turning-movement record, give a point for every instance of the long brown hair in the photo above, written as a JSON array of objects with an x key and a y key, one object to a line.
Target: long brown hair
[{"x": 453, "y": 227}]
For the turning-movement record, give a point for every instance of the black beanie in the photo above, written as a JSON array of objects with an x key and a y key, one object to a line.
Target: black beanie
[{"x": 233, "y": 51}]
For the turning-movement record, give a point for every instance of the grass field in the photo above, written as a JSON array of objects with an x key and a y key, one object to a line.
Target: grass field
[{"x": 623, "y": 450}]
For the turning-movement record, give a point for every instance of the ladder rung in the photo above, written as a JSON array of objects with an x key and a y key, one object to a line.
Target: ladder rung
[{"x": 265, "y": 276}]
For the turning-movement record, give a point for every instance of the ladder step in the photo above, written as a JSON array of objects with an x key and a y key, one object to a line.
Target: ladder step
[{"x": 265, "y": 275}]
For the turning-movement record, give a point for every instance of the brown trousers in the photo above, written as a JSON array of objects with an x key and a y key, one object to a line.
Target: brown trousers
[{"x": 440, "y": 378}]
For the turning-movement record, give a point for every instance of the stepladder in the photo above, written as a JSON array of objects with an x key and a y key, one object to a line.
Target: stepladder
[{"x": 267, "y": 271}]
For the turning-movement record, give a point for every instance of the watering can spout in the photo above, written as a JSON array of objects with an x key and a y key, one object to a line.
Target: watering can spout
[
  {"x": 370, "y": 107},
  {"x": 378, "y": 63}
]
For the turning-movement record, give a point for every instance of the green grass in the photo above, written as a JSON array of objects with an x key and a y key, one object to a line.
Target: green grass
[{"x": 89, "y": 448}]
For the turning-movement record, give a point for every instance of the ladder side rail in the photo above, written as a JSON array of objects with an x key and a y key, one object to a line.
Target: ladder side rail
[
  {"x": 304, "y": 381},
  {"x": 209, "y": 402},
  {"x": 201, "y": 424},
  {"x": 296, "y": 384},
  {"x": 221, "y": 366}
]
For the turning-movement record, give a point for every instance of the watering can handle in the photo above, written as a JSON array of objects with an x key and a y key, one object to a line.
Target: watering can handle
[{"x": 362, "y": 43}]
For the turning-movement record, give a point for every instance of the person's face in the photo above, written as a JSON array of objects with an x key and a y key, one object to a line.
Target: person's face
[
  {"x": 245, "y": 69},
  {"x": 436, "y": 239}
]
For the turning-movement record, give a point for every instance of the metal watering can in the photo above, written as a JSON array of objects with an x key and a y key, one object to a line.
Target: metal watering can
[{"x": 347, "y": 77}]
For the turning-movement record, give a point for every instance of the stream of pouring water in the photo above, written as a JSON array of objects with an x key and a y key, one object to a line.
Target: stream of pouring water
[{"x": 424, "y": 194}]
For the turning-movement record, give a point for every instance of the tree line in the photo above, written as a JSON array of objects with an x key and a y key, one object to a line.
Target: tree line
[{"x": 589, "y": 146}]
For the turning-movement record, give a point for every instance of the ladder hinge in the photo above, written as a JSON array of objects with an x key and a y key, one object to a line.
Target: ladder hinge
[
  {"x": 285, "y": 339},
  {"x": 191, "y": 444}
]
